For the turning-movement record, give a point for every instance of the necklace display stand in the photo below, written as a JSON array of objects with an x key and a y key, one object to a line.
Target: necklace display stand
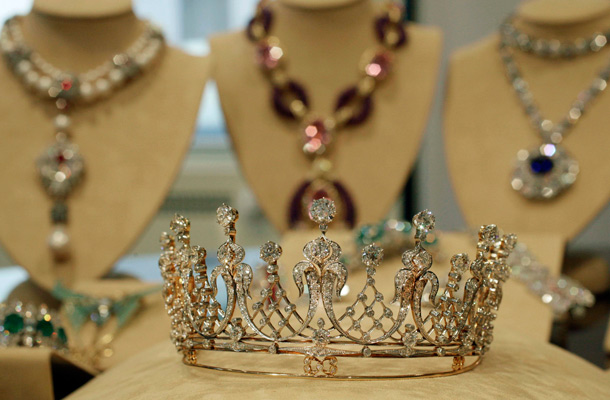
[
  {"x": 323, "y": 42},
  {"x": 485, "y": 124},
  {"x": 133, "y": 142}
]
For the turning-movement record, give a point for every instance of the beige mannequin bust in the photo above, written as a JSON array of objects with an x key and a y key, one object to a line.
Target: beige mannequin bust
[
  {"x": 485, "y": 124},
  {"x": 323, "y": 42},
  {"x": 133, "y": 142}
]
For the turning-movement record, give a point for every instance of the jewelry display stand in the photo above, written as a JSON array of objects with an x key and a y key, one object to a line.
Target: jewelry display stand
[
  {"x": 323, "y": 42},
  {"x": 485, "y": 125},
  {"x": 133, "y": 142}
]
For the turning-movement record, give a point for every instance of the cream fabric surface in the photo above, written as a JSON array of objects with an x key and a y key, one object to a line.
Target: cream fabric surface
[{"x": 516, "y": 367}]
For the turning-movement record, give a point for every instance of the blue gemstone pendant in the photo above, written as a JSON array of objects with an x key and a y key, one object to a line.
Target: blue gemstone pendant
[
  {"x": 544, "y": 172},
  {"x": 541, "y": 165}
]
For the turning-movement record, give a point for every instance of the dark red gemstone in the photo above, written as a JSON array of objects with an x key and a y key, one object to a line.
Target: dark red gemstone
[
  {"x": 382, "y": 24},
  {"x": 283, "y": 95},
  {"x": 320, "y": 194},
  {"x": 362, "y": 110},
  {"x": 66, "y": 84},
  {"x": 60, "y": 158},
  {"x": 265, "y": 18}
]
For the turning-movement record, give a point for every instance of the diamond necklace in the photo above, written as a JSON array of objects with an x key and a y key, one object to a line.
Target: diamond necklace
[
  {"x": 542, "y": 173},
  {"x": 353, "y": 106},
  {"x": 61, "y": 166},
  {"x": 552, "y": 48}
]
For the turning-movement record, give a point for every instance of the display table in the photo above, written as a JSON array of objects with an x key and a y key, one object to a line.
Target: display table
[
  {"x": 516, "y": 367},
  {"x": 48, "y": 374}
]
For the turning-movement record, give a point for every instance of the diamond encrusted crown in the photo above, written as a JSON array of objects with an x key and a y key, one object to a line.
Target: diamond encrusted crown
[{"x": 214, "y": 331}]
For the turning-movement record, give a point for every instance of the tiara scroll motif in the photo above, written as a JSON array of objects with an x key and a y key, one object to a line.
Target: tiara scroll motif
[{"x": 416, "y": 323}]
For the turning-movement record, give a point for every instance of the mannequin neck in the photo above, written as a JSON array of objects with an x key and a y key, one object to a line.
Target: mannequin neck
[
  {"x": 78, "y": 44},
  {"x": 319, "y": 4},
  {"x": 309, "y": 19},
  {"x": 563, "y": 19},
  {"x": 82, "y": 9}
]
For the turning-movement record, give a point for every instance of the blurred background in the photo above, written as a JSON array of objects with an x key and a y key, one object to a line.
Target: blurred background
[{"x": 211, "y": 174}]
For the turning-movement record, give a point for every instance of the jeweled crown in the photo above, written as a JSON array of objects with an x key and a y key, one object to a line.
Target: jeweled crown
[{"x": 416, "y": 323}]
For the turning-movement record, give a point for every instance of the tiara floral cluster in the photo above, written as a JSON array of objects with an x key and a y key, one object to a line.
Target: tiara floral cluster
[{"x": 420, "y": 320}]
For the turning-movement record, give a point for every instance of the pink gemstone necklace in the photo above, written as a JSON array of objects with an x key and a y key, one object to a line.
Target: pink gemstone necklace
[
  {"x": 353, "y": 106},
  {"x": 61, "y": 167}
]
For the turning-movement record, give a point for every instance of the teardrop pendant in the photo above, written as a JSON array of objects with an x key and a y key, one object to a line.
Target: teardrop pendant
[
  {"x": 318, "y": 188},
  {"x": 59, "y": 243}
]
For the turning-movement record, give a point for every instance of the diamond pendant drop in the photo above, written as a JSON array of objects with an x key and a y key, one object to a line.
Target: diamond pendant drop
[
  {"x": 59, "y": 243},
  {"x": 544, "y": 172},
  {"x": 60, "y": 167},
  {"x": 310, "y": 191}
]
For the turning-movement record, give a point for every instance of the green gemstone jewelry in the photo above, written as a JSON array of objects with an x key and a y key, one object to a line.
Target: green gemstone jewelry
[{"x": 31, "y": 326}]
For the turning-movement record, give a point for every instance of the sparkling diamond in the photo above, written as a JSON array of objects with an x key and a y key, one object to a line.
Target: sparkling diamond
[
  {"x": 270, "y": 252},
  {"x": 236, "y": 331},
  {"x": 420, "y": 260},
  {"x": 180, "y": 225},
  {"x": 460, "y": 262},
  {"x": 424, "y": 220},
  {"x": 410, "y": 339},
  {"x": 372, "y": 255},
  {"x": 322, "y": 211},
  {"x": 230, "y": 253},
  {"x": 226, "y": 215},
  {"x": 488, "y": 234},
  {"x": 321, "y": 336},
  {"x": 166, "y": 241},
  {"x": 510, "y": 241},
  {"x": 318, "y": 250}
]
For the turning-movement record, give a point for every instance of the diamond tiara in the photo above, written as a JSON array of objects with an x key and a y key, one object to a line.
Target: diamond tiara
[{"x": 313, "y": 324}]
